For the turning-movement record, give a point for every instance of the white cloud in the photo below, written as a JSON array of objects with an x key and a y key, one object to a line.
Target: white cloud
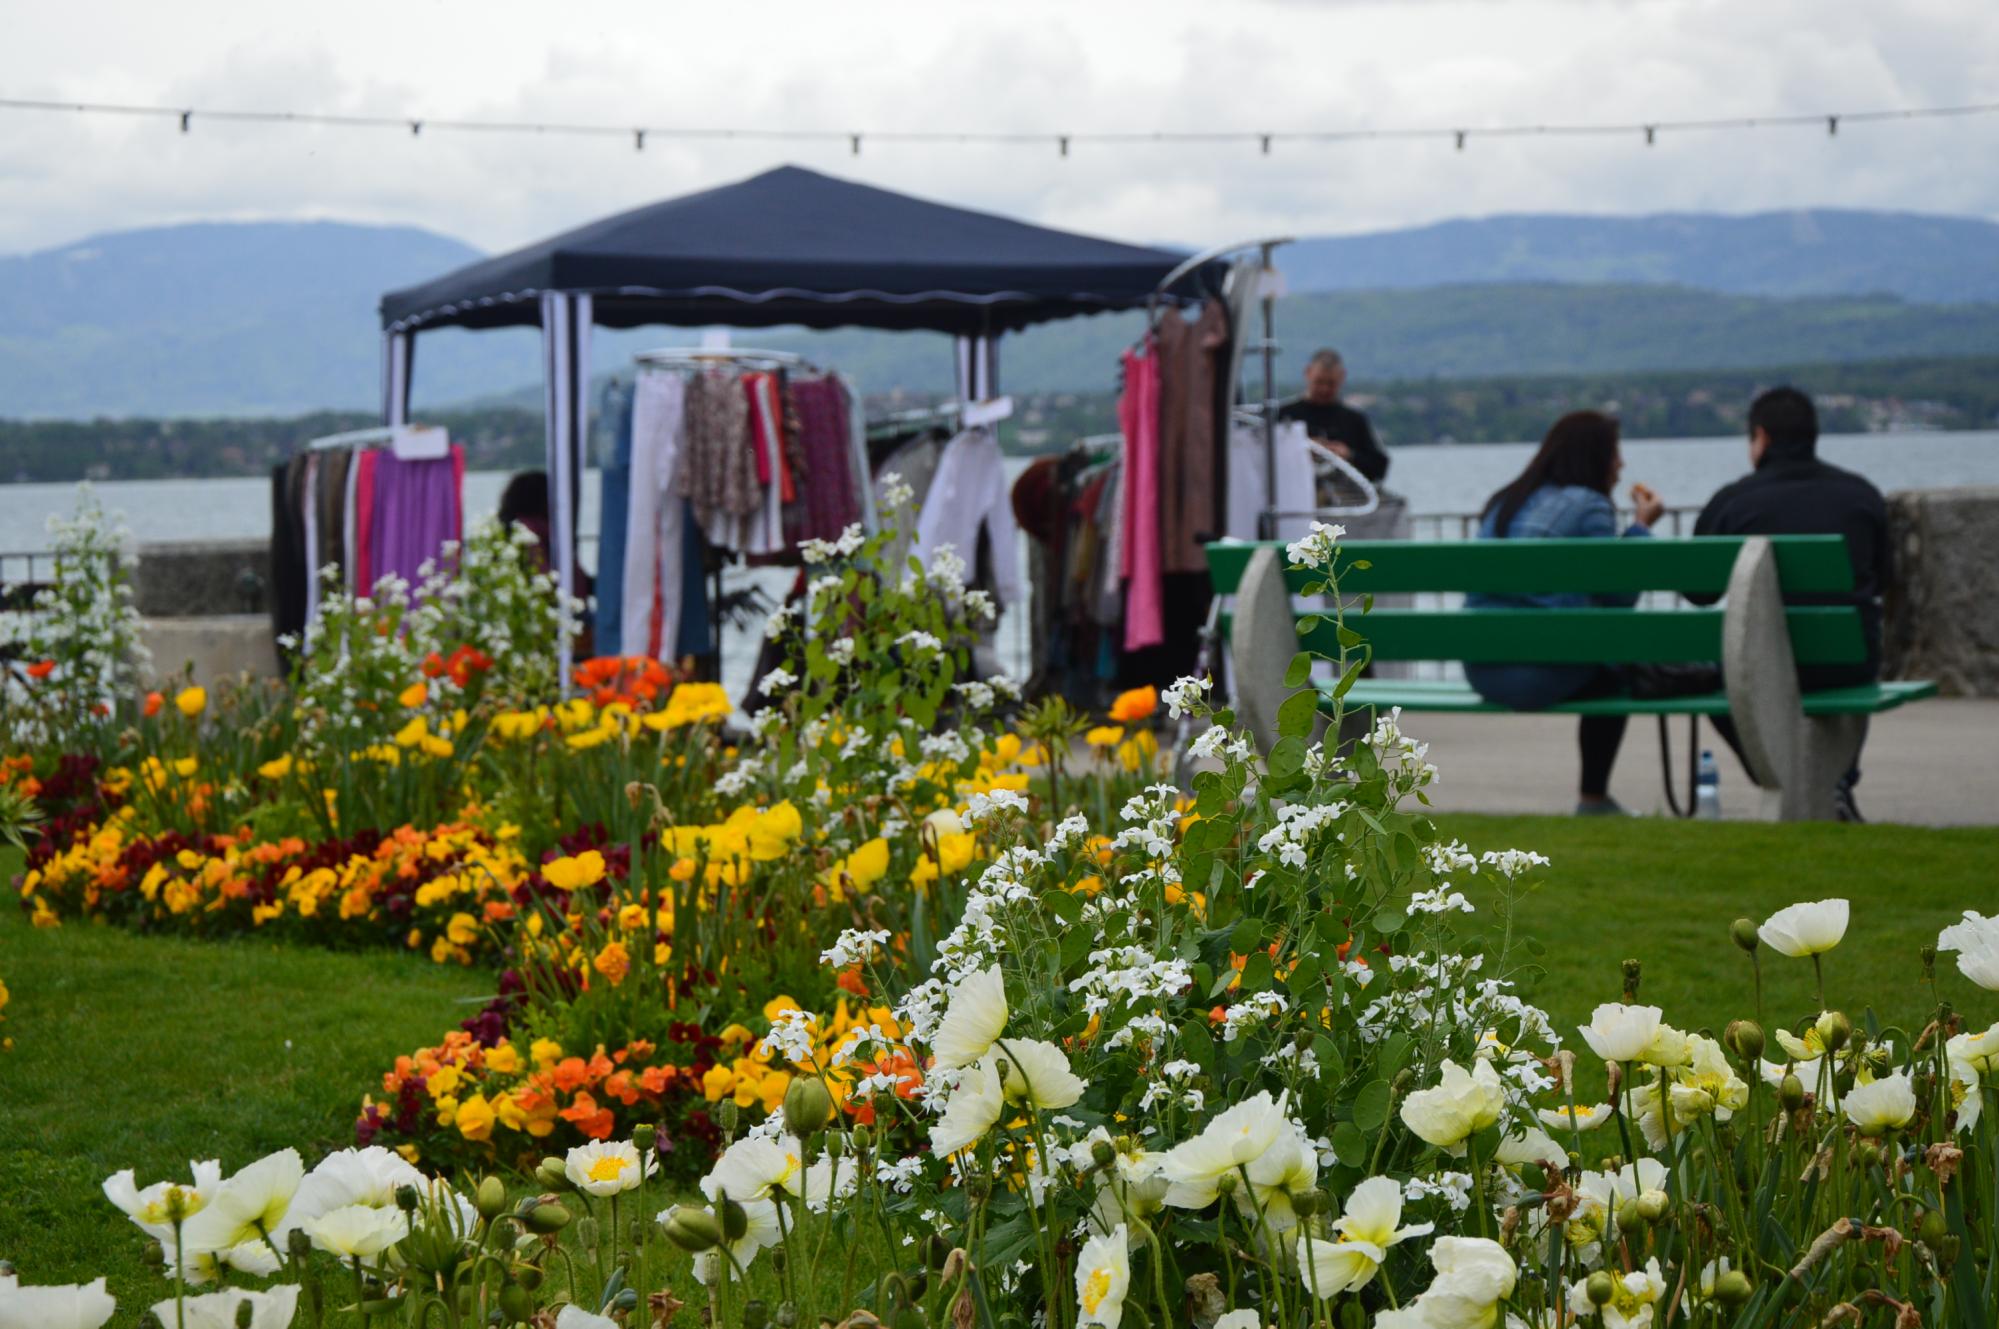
[{"x": 1033, "y": 66}]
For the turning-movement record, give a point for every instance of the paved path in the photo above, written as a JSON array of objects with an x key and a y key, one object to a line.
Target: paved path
[{"x": 1935, "y": 763}]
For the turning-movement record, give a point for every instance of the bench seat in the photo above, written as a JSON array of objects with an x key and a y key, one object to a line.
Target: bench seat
[{"x": 1869, "y": 699}]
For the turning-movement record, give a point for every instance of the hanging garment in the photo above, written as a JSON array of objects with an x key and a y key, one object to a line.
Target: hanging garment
[
  {"x": 1108, "y": 604},
  {"x": 330, "y": 500},
  {"x": 309, "y": 504},
  {"x": 696, "y": 637},
  {"x": 717, "y": 469},
  {"x": 418, "y": 507},
  {"x": 615, "y": 465},
  {"x": 362, "y": 579},
  {"x": 1248, "y": 488},
  {"x": 1139, "y": 562},
  {"x": 914, "y": 462},
  {"x": 288, "y": 561},
  {"x": 653, "y": 544},
  {"x": 825, "y": 440},
  {"x": 765, "y": 529},
  {"x": 969, "y": 496},
  {"x": 1191, "y": 450}
]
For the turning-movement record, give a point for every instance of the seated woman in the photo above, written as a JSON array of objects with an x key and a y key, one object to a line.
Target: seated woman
[{"x": 1564, "y": 494}]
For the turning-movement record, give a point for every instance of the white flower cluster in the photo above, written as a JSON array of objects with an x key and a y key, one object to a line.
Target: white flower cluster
[
  {"x": 1297, "y": 823},
  {"x": 894, "y": 492},
  {"x": 1186, "y": 694},
  {"x": 854, "y": 946},
  {"x": 790, "y": 1036},
  {"x": 1318, "y": 548},
  {"x": 825, "y": 551}
]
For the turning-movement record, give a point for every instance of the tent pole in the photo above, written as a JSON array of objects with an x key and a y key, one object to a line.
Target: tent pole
[
  {"x": 565, "y": 337},
  {"x": 1269, "y": 394}
]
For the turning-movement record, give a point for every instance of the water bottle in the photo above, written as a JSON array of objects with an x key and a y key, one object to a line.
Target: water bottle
[{"x": 1707, "y": 788}]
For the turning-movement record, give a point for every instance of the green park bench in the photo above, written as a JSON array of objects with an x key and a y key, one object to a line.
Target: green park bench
[{"x": 1797, "y": 744}]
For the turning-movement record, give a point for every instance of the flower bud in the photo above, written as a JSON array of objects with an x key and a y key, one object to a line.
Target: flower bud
[
  {"x": 546, "y": 1217},
  {"x": 862, "y": 1137},
  {"x": 1870, "y": 1153},
  {"x": 154, "y": 1254},
  {"x": 735, "y": 1220},
  {"x": 491, "y": 1198},
  {"x": 1632, "y": 970},
  {"x": 936, "y": 1250},
  {"x": 1600, "y": 1288},
  {"x": 727, "y": 1116},
  {"x": 1743, "y": 933},
  {"x": 692, "y": 1229},
  {"x": 1733, "y": 1288},
  {"x": 1652, "y": 1206},
  {"x": 1932, "y": 1230},
  {"x": 552, "y": 1174},
  {"x": 246, "y": 1311},
  {"x": 1834, "y": 1030},
  {"x": 835, "y": 1146},
  {"x": 407, "y": 1198},
  {"x": 515, "y": 1302},
  {"x": 1103, "y": 1153},
  {"x": 299, "y": 1243},
  {"x": 1630, "y": 1216},
  {"x": 528, "y": 1276},
  {"x": 1305, "y": 1203},
  {"x": 786, "y": 1317},
  {"x": 756, "y": 1315},
  {"x": 1948, "y": 1249},
  {"x": 1225, "y": 1184},
  {"x": 586, "y": 1232},
  {"x": 1791, "y": 1093},
  {"x": 1744, "y": 1038},
  {"x": 644, "y": 1136},
  {"x": 1929, "y": 963},
  {"x": 807, "y": 1107}
]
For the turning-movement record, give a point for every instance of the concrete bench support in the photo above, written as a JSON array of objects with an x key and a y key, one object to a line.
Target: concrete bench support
[{"x": 1795, "y": 759}]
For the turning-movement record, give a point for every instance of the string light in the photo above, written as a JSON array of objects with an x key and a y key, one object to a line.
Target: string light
[{"x": 1062, "y": 142}]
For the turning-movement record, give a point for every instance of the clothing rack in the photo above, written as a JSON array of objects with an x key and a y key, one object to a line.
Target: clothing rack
[
  {"x": 1265, "y": 294},
  {"x": 675, "y": 356},
  {"x": 353, "y": 438}
]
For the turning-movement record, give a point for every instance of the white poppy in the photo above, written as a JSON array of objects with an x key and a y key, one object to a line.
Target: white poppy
[
  {"x": 249, "y": 1208},
  {"x": 1800, "y": 930},
  {"x": 351, "y": 1176},
  {"x": 1976, "y": 941},
  {"x": 1633, "y": 1300},
  {"x": 1289, "y": 1166},
  {"x": 607, "y": 1167},
  {"x": 148, "y": 1208},
  {"x": 756, "y": 1166},
  {"x": 357, "y": 1231},
  {"x": 1038, "y": 1074},
  {"x": 1965, "y": 1097},
  {"x": 1369, "y": 1225},
  {"x": 575, "y": 1317},
  {"x": 1473, "y": 1276},
  {"x": 1979, "y": 1051},
  {"x": 1103, "y": 1275},
  {"x": 1531, "y": 1145},
  {"x": 66, "y": 1306},
  {"x": 1617, "y": 1032},
  {"x": 274, "y": 1309},
  {"x": 1885, "y": 1105},
  {"x": 1239, "y": 1320},
  {"x": 974, "y": 1016},
  {"x": 973, "y": 1108},
  {"x": 1581, "y": 1119},
  {"x": 1460, "y": 1105},
  {"x": 1232, "y": 1140},
  {"x": 199, "y": 1267}
]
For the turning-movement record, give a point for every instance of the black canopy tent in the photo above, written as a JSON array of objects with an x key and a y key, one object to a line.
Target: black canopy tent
[{"x": 790, "y": 246}]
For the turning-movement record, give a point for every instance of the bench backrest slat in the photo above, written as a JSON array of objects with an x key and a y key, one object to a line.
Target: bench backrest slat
[
  {"x": 1820, "y": 635},
  {"x": 1701, "y": 564}
]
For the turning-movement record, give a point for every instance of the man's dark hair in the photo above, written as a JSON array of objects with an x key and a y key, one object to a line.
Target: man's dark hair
[
  {"x": 1788, "y": 417},
  {"x": 525, "y": 497}
]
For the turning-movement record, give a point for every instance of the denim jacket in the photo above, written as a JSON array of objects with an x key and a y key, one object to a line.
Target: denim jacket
[{"x": 1552, "y": 512}]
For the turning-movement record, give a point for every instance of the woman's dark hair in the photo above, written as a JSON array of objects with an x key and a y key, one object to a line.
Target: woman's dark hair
[
  {"x": 1580, "y": 450},
  {"x": 526, "y": 496}
]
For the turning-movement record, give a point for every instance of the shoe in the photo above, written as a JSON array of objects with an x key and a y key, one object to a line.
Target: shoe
[
  {"x": 1610, "y": 807},
  {"x": 1843, "y": 806}
]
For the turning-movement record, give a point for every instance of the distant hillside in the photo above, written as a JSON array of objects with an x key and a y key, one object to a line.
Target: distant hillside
[
  {"x": 258, "y": 318},
  {"x": 1939, "y": 260}
]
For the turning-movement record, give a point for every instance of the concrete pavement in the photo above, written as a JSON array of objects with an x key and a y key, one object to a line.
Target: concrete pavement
[{"x": 1934, "y": 763}]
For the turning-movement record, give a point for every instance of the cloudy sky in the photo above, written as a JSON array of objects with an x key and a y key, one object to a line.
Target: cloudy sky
[{"x": 1022, "y": 65}]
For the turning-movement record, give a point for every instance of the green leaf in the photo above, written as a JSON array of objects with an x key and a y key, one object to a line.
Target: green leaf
[
  {"x": 1248, "y": 936},
  {"x": 1370, "y": 1106},
  {"x": 1349, "y": 638},
  {"x": 1063, "y": 905},
  {"x": 1349, "y": 1146},
  {"x": 1304, "y": 975},
  {"x": 1076, "y": 943},
  {"x": 1257, "y": 972},
  {"x": 1197, "y": 1042},
  {"x": 1297, "y": 714},
  {"x": 1299, "y": 670},
  {"x": 1287, "y": 758},
  {"x": 1388, "y": 921}
]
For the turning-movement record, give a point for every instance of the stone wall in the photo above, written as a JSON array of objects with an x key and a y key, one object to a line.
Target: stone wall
[
  {"x": 1943, "y": 606},
  {"x": 191, "y": 579}
]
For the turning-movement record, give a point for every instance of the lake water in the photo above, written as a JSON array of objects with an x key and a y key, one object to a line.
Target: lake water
[{"x": 1437, "y": 481}]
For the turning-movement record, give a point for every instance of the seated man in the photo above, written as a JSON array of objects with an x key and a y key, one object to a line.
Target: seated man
[{"x": 1791, "y": 492}]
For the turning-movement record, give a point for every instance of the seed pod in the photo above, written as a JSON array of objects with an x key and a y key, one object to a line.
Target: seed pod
[
  {"x": 1600, "y": 1288},
  {"x": 644, "y": 1136},
  {"x": 1733, "y": 1288},
  {"x": 407, "y": 1198},
  {"x": 1932, "y": 1230},
  {"x": 807, "y": 1107},
  {"x": 756, "y": 1315}
]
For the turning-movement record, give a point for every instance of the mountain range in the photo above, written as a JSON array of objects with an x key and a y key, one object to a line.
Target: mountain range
[{"x": 255, "y": 318}]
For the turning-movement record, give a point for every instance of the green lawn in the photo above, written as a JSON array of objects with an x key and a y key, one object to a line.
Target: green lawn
[
  {"x": 147, "y": 1052},
  {"x": 1665, "y": 892}
]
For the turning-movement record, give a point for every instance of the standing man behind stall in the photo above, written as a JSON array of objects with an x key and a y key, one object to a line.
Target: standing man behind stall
[{"x": 1331, "y": 421}]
